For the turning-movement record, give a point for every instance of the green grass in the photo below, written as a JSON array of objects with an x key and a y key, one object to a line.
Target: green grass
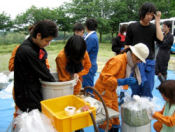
[{"x": 103, "y": 55}]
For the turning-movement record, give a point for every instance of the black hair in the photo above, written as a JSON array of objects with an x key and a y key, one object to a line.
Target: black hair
[
  {"x": 75, "y": 49},
  {"x": 168, "y": 24},
  {"x": 147, "y": 7},
  {"x": 91, "y": 24},
  {"x": 123, "y": 28},
  {"x": 167, "y": 88},
  {"x": 46, "y": 28},
  {"x": 78, "y": 27}
]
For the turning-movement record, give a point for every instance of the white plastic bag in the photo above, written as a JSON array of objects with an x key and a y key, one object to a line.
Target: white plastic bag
[{"x": 33, "y": 121}]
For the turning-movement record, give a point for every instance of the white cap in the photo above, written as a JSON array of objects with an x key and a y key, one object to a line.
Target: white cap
[{"x": 140, "y": 50}]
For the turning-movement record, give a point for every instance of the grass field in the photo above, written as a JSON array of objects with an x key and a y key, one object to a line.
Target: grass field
[{"x": 104, "y": 54}]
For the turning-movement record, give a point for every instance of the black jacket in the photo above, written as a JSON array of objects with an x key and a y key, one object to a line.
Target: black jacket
[
  {"x": 163, "y": 55},
  {"x": 117, "y": 44},
  {"x": 28, "y": 70}
]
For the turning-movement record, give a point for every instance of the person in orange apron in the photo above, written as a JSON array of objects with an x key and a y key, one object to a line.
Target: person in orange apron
[
  {"x": 117, "y": 72},
  {"x": 73, "y": 61}
]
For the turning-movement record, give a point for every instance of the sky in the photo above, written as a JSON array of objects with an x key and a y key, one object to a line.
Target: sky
[{"x": 15, "y": 7}]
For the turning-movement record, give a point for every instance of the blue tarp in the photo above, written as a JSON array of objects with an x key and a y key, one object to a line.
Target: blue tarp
[{"x": 7, "y": 104}]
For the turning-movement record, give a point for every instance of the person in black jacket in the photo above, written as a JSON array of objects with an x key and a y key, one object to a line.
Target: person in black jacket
[
  {"x": 163, "y": 55},
  {"x": 30, "y": 66},
  {"x": 119, "y": 41}
]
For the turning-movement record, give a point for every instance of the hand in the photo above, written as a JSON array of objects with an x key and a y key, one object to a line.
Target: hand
[
  {"x": 157, "y": 16},
  {"x": 131, "y": 81},
  {"x": 127, "y": 81},
  {"x": 76, "y": 77}
]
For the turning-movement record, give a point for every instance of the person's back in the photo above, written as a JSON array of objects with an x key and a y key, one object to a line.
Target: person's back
[
  {"x": 118, "y": 42},
  {"x": 30, "y": 66},
  {"x": 92, "y": 49},
  {"x": 72, "y": 61}
]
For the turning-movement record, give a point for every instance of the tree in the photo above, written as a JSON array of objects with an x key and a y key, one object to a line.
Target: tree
[
  {"x": 119, "y": 14},
  {"x": 62, "y": 19},
  {"x": 31, "y": 16},
  {"x": 5, "y": 22}
]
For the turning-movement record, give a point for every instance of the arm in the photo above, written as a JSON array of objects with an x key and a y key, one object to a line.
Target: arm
[
  {"x": 12, "y": 58},
  {"x": 86, "y": 66},
  {"x": 159, "y": 33},
  {"x": 167, "y": 120},
  {"x": 167, "y": 42},
  {"x": 91, "y": 43},
  {"x": 109, "y": 72},
  {"x": 47, "y": 63},
  {"x": 31, "y": 58}
]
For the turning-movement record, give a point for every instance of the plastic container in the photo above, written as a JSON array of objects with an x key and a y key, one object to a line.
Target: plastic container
[
  {"x": 128, "y": 128},
  {"x": 54, "y": 109},
  {"x": 57, "y": 89}
]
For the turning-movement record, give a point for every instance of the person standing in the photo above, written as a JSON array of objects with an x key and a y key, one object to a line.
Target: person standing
[
  {"x": 163, "y": 55},
  {"x": 118, "y": 42},
  {"x": 30, "y": 66},
  {"x": 92, "y": 49},
  {"x": 147, "y": 33}
]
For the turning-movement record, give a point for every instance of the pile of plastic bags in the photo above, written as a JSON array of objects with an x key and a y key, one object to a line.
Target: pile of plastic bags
[{"x": 33, "y": 121}]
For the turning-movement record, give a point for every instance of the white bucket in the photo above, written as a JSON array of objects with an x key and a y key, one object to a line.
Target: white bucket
[{"x": 57, "y": 89}]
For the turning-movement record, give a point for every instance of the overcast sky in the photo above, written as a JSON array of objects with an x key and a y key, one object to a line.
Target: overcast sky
[{"x": 14, "y": 7}]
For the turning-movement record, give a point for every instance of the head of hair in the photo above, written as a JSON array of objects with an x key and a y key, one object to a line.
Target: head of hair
[
  {"x": 123, "y": 28},
  {"x": 168, "y": 24},
  {"x": 46, "y": 28},
  {"x": 91, "y": 24},
  {"x": 146, "y": 8},
  {"x": 167, "y": 88},
  {"x": 78, "y": 27},
  {"x": 75, "y": 49}
]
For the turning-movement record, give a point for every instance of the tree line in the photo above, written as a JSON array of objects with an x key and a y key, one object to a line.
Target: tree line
[{"x": 108, "y": 13}]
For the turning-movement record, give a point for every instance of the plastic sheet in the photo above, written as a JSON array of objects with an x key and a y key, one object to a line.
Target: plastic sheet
[{"x": 33, "y": 121}]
